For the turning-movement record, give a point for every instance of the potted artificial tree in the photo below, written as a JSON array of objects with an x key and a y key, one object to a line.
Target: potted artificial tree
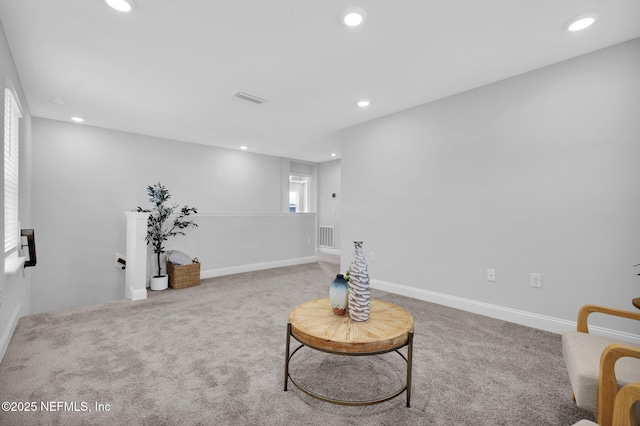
[{"x": 158, "y": 232}]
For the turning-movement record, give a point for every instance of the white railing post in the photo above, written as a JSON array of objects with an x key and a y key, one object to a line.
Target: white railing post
[{"x": 136, "y": 270}]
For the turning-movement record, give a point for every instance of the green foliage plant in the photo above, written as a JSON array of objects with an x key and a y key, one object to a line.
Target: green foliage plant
[{"x": 158, "y": 231}]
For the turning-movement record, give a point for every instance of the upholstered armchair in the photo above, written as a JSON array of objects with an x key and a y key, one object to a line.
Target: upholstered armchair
[{"x": 599, "y": 366}]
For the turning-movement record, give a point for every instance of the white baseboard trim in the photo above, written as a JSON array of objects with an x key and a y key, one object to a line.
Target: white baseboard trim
[
  {"x": 329, "y": 251},
  {"x": 211, "y": 273},
  {"x": 541, "y": 322},
  {"x": 138, "y": 294},
  {"x": 8, "y": 332}
]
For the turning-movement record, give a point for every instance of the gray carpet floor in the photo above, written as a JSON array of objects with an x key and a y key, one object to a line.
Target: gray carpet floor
[{"x": 214, "y": 355}]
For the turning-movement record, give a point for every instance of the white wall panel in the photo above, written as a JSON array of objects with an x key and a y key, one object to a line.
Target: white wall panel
[
  {"x": 538, "y": 173},
  {"x": 86, "y": 177}
]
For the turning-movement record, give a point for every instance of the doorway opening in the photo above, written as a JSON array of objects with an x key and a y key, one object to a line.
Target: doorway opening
[{"x": 299, "y": 193}]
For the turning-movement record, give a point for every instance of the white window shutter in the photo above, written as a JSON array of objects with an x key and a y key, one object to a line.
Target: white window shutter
[{"x": 12, "y": 117}]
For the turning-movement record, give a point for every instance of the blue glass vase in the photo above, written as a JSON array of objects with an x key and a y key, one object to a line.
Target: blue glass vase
[{"x": 339, "y": 295}]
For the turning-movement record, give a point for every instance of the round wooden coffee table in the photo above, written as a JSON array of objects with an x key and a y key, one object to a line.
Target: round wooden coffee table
[{"x": 388, "y": 329}]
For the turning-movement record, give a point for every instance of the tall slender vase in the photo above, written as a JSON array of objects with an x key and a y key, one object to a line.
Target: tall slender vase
[
  {"x": 359, "y": 293},
  {"x": 338, "y": 295}
]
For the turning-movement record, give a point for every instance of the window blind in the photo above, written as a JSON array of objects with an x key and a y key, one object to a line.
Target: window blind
[{"x": 11, "y": 161}]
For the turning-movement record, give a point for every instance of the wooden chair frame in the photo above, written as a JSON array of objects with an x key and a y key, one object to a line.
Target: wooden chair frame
[
  {"x": 608, "y": 384},
  {"x": 624, "y": 410}
]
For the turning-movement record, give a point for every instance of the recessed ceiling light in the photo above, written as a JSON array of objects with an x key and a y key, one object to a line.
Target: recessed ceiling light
[
  {"x": 244, "y": 148},
  {"x": 58, "y": 101},
  {"x": 363, "y": 103},
  {"x": 121, "y": 5},
  {"x": 333, "y": 154},
  {"x": 581, "y": 22},
  {"x": 353, "y": 16},
  {"x": 77, "y": 119}
]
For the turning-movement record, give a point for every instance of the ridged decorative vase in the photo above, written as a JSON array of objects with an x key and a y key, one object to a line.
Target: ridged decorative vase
[
  {"x": 339, "y": 295},
  {"x": 359, "y": 292}
]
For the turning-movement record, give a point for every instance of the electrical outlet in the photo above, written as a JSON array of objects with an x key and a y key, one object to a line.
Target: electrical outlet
[
  {"x": 372, "y": 256},
  {"x": 491, "y": 275},
  {"x": 536, "y": 280}
]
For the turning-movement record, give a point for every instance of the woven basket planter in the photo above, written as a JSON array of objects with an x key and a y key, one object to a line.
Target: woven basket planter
[{"x": 181, "y": 276}]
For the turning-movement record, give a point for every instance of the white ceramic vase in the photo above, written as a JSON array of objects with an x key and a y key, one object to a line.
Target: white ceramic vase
[{"x": 359, "y": 292}]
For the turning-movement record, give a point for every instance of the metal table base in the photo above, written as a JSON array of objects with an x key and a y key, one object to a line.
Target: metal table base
[{"x": 406, "y": 387}]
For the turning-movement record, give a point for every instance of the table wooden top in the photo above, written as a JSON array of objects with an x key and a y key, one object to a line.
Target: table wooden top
[{"x": 314, "y": 324}]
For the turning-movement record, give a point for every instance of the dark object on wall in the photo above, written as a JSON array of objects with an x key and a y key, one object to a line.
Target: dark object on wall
[
  {"x": 31, "y": 243},
  {"x": 333, "y": 195}
]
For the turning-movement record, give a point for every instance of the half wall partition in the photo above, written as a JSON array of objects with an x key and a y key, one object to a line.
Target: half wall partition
[{"x": 225, "y": 243}]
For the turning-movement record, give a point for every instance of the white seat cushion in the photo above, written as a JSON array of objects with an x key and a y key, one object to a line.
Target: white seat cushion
[{"x": 582, "y": 353}]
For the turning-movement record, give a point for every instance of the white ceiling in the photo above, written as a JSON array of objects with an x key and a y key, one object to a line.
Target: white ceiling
[{"x": 170, "y": 68}]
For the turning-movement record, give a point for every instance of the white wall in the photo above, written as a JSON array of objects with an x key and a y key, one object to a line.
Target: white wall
[
  {"x": 538, "y": 173},
  {"x": 84, "y": 178},
  {"x": 230, "y": 243},
  {"x": 15, "y": 289},
  {"x": 328, "y": 206}
]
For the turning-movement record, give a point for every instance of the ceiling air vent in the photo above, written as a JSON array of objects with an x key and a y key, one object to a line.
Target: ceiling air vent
[{"x": 249, "y": 97}]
